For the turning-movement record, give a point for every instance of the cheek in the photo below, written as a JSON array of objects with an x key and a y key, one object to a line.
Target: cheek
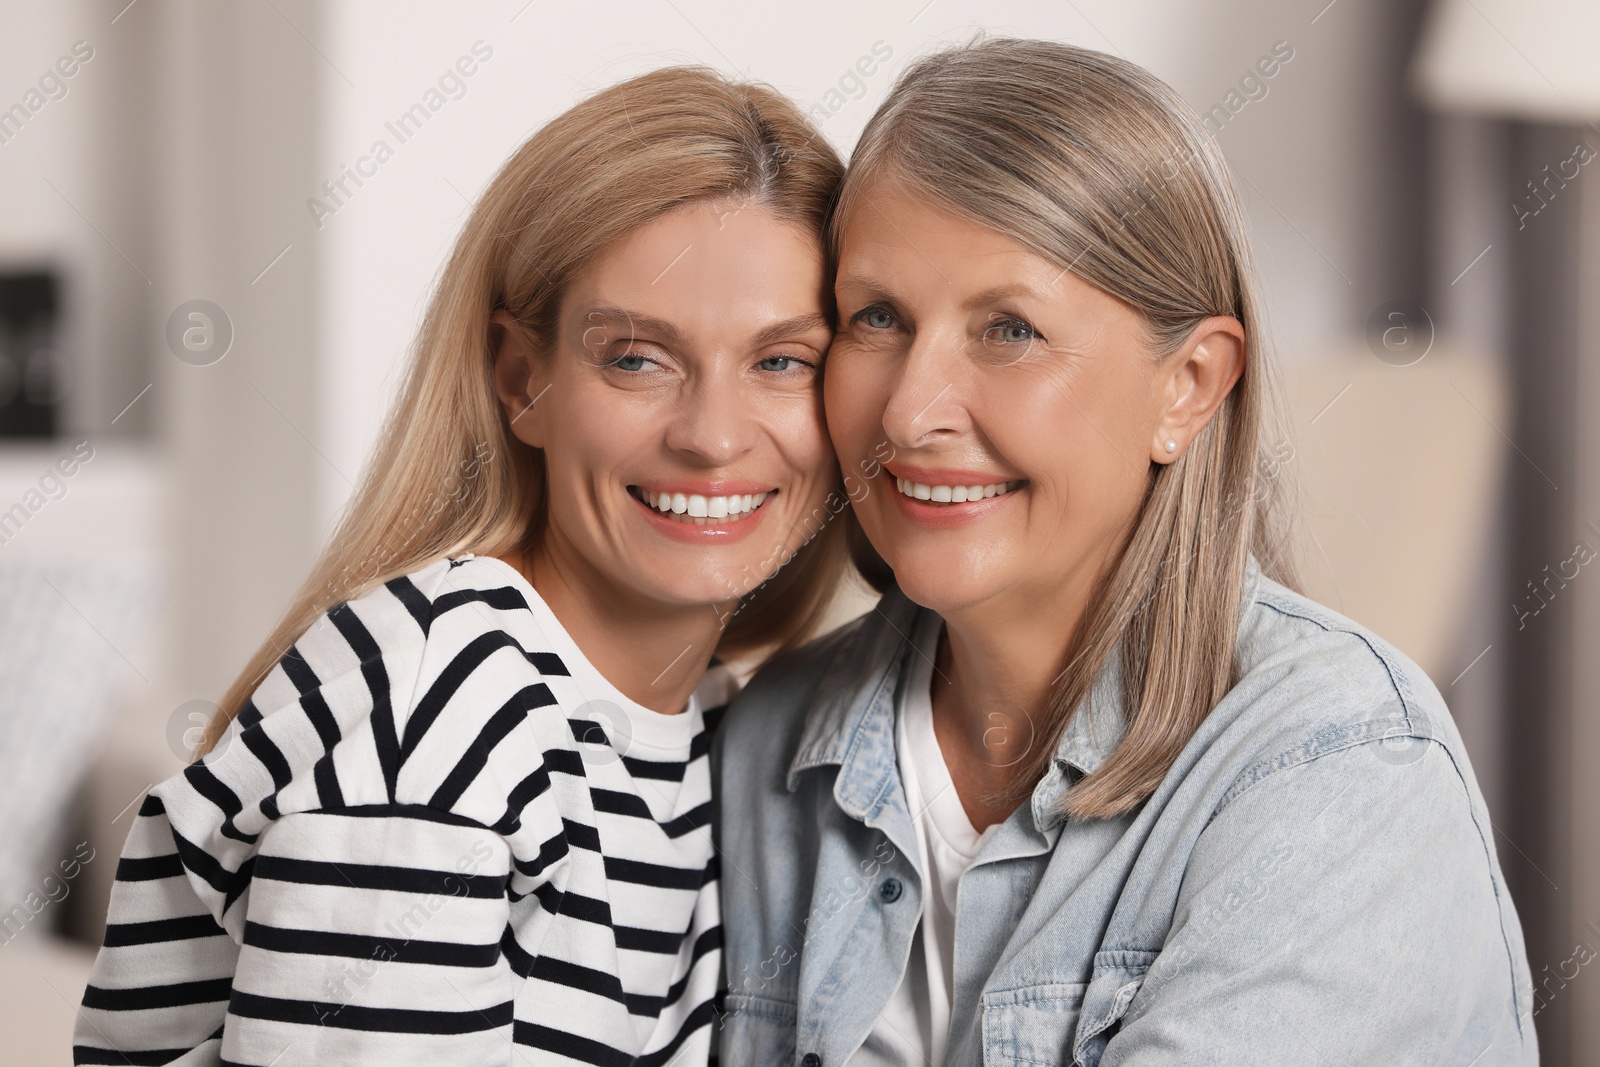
[
  {"x": 797, "y": 429},
  {"x": 593, "y": 431},
  {"x": 854, "y": 399},
  {"x": 1076, "y": 443}
]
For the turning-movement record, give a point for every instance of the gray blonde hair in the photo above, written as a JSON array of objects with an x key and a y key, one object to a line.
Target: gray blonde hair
[
  {"x": 448, "y": 476},
  {"x": 1098, "y": 166}
]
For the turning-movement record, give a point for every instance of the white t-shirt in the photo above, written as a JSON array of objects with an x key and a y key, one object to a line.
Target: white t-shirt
[{"x": 915, "y": 1024}]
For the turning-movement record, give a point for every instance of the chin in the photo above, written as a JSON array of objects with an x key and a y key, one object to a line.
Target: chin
[
  {"x": 942, "y": 584},
  {"x": 711, "y": 585}
]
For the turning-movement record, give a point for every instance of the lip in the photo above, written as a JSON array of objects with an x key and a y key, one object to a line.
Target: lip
[
  {"x": 946, "y": 516},
  {"x": 723, "y": 533},
  {"x": 722, "y": 488},
  {"x": 947, "y": 475}
]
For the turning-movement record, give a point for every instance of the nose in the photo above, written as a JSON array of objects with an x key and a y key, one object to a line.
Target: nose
[
  {"x": 927, "y": 399},
  {"x": 715, "y": 422}
]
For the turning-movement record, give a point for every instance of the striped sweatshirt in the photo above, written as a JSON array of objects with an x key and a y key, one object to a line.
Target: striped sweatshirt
[{"x": 437, "y": 836}]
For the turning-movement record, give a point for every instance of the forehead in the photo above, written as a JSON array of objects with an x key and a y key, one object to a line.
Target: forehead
[
  {"x": 707, "y": 263},
  {"x": 891, "y": 227}
]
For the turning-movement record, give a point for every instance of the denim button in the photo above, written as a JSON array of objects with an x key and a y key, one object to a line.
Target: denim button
[
  {"x": 811, "y": 1059},
  {"x": 889, "y": 890}
]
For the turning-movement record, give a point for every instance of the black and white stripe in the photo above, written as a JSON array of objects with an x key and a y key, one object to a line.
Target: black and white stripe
[{"x": 410, "y": 852}]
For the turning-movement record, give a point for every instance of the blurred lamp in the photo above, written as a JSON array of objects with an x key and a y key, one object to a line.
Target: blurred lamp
[{"x": 1528, "y": 59}]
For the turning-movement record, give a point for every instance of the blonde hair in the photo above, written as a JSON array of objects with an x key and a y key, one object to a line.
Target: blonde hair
[
  {"x": 1095, "y": 164},
  {"x": 447, "y": 475}
]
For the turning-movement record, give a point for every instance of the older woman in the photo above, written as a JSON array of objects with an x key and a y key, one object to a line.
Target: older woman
[{"x": 1093, "y": 784}]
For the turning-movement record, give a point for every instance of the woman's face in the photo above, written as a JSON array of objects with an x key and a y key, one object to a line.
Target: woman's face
[
  {"x": 1022, "y": 405},
  {"x": 680, "y": 412}
]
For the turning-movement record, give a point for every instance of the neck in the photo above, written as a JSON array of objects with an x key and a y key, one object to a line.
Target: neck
[
  {"x": 993, "y": 685},
  {"x": 653, "y": 652}
]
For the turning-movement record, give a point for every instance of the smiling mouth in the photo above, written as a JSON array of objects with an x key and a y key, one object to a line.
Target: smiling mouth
[
  {"x": 954, "y": 494},
  {"x": 696, "y": 510}
]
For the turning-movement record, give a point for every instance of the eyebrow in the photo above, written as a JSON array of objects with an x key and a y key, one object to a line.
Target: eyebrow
[
  {"x": 672, "y": 336},
  {"x": 636, "y": 322},
  {"x": 800, "y": 324},
  {"x": 997, "y": 293},
  {"x": 875, "y": 287}
]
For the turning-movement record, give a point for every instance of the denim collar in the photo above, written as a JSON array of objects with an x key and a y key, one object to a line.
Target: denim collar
[{"x": 852, "y": 723}]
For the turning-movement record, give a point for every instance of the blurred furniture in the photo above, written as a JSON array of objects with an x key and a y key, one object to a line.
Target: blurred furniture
[
  {"x": 79, "y": 591},
  {"x": 61, "y": 634},
  {"x": 32, "y": 377},
  {"x": 1396, "y": 470},
  {"x": 41, "y": 983}
]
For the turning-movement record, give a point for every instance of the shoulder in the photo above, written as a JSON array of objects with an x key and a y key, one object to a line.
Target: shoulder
[
  {"x": 457, "y": 617},
  {"x": 1283, "y": 627},
  {"x": 386, "y": 624},
  {"x": 319, "y": 732},
  {"x": 378, "y": 639},
  {"x": 1313, "y": 682},
  {"x": 1334, "y": 769},
  {"x": 344, "y": 718}
]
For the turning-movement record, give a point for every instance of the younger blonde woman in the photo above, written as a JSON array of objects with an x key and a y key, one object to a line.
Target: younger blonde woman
[{"x": 463, "y": 819}]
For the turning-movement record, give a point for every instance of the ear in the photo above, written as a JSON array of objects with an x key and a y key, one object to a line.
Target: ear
[
  {"x": 517, "y": 378},
  {"x": 1195, "y": 381}
]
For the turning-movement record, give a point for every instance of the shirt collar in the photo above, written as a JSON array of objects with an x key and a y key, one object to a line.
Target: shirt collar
[{"x": 852, "y": 723}]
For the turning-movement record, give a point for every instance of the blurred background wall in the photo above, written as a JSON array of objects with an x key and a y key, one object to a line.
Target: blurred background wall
[{"x": 210, "y": 275}]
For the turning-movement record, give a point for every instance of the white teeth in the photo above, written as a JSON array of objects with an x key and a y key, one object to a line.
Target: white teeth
[
  {"x": 702, "y": 510},
  {"x": 953, "y": 494}
]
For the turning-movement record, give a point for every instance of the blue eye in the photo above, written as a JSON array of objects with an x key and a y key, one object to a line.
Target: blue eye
[
  {"x": 876, "y": 318},
  {"x": 788, "y": 363},
  {"x": 1010, "y": 332},
  {"x": 629, "y": 362}
]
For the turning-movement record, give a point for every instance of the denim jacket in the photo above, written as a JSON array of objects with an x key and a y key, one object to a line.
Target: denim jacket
[{"x": 1314, "y": 880}]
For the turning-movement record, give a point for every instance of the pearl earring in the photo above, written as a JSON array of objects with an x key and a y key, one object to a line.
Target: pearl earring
[{"x": 1172, "y": 446}]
